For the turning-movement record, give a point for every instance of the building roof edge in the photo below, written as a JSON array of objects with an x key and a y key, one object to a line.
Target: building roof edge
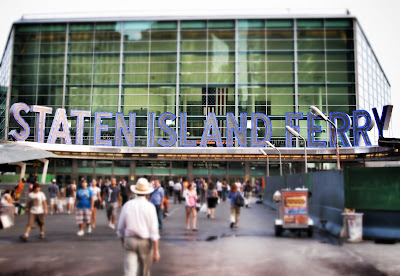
[{"x": 180, "y": 15}]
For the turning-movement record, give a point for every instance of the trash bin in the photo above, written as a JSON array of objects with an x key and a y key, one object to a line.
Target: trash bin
[{"x": 352, "y": 223}]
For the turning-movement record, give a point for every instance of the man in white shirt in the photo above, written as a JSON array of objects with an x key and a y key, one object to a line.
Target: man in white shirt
[
  {"x": 238, "y": 184},
  {"x": 177, "y": 192},
  {"x": 138, "y": 230},
  {"x": 37, "y": 208},
  {"x": 219, "y": 188},
  {"x": 170, "y": 187}
]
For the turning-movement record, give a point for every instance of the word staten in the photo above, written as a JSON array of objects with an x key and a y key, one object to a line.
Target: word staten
[{"x": 211, "y": 132}]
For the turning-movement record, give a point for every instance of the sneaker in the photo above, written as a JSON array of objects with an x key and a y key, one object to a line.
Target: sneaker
[
  {"x": 232, "y": 224},
  {"x": 89, "y": 229},
  {"x": 112, "y": 226},
  {"x": 23, "y": 238},
  {"x": 80, "y": 233},
  {"x": 41, "y": 236}
]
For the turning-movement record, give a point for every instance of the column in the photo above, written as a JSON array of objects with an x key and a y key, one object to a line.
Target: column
[
  {"x": 190, "y": 171},
  {"x": 74, "y": 174},
  {"x": 246, "y": 170},
  {"x": 132, "y": 179}
]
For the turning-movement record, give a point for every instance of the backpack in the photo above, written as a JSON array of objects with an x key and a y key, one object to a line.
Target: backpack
[
  {"x": 239, "y": 201},
  {"x": 248, "y": 188},
  {"x": 69, "y": 192}
]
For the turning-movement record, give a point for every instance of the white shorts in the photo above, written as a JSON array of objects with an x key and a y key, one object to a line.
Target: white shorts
[
  {"x": 70, "y": 200},
  {"x": 53, "y": 200}
]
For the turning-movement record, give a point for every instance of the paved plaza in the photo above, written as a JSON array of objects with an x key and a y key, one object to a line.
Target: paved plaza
[{"x": 215, "y": 249}]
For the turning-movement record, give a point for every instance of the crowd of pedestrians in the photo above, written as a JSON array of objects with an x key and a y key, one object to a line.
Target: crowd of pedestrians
[
  {"x": 198, "y": 195},
  {"x": 204, "y": 196},
  {"x": 143, "y": 208}
]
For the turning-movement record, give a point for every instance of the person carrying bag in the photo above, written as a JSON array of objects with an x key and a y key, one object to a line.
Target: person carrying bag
[
  {"x": 239, "y": 200},
  {"x": 236, "y": 201}
]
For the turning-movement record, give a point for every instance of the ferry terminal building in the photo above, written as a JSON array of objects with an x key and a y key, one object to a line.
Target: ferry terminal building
[{"x": 273, "y": 65}]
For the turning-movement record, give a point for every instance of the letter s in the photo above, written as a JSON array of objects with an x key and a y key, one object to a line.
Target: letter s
[{"x": 15, "y": 110}]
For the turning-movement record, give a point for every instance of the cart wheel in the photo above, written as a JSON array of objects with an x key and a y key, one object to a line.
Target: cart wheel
[
  {"x": 310, "y": 231},
  {"x": 278, "y": 230}
]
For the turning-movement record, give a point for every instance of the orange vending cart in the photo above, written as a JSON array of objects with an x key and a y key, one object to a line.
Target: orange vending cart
[{"x": 293, "y": 212}]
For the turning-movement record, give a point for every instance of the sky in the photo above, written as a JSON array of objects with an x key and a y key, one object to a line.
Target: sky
[{"x": 379, "y": 20}]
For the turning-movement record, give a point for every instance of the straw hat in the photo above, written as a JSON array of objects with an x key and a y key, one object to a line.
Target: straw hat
[{"x": 142, "y": 187}]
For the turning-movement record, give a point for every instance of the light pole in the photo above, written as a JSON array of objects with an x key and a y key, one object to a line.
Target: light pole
[
  {"x": 263, "y": 152},
  {"x": 295, "y": 133},
  {"x": 314, "y": 110},
  {"x": 280, "y": 159}
]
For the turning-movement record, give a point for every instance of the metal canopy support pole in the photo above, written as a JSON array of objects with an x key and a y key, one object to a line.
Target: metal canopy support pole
[
  {"x": 314, "y": 110},
  {"x": 263, "y": 152},
  {"x": 336, "y": 144},
  {"x": 280, "y": 156},
  {"x": 305, "y": 154},
  {"x": 45, "y": 167}
]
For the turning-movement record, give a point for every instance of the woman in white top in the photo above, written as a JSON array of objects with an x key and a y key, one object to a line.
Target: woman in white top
[
  {"x": 97, "y": 203},
  {"x": 6, "y": 199}
]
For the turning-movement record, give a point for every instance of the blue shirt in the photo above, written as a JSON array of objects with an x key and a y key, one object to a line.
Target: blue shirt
[
  {"x": 157, "y": 196},
  {"x": 84, "y": 198},
  {"x": 112, "y": 194},
  {"x": 198, "y": 185},
  {"x": 232, "y": 196},
  {"x": 53, "y": 190}
]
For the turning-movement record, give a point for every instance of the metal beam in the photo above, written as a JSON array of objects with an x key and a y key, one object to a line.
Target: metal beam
[{"x": 198, "y": 150}]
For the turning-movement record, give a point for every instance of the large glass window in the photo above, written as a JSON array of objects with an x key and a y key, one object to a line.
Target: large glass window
[{"x": 136, "y": 64}]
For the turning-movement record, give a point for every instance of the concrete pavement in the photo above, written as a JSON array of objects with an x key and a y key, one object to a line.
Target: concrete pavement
[{"x": 215, "y": 249}]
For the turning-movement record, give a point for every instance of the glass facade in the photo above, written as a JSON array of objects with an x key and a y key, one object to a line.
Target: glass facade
[
  {"x": 271, "y": 66},
  {"x": 373, "y": 86},
  {"x": 5, "y": 71}
]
